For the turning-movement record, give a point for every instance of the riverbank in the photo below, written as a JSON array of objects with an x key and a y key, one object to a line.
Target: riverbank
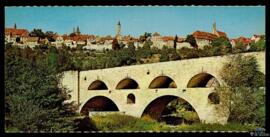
[{"x": 118, "y": 122}]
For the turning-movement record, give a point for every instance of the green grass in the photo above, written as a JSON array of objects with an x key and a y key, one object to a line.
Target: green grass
[{"x": 117, "y": 122}]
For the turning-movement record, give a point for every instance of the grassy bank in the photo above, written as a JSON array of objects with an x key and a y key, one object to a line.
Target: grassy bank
[{"x": 117, "y": 122}]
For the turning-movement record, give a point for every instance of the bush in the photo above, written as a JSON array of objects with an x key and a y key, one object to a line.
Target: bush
[
  {"x": 242, "y": 94},
  {"x": 33, "y": 100},
  {"x": 242, "y": 71},
  {"x": 85, "y": 124},
  {"x": 187, "y": 53},
  {"x": 117, "y": 122}
]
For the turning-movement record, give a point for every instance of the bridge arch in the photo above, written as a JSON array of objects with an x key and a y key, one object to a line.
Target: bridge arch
[
  {"x": 97, "y": 85},
  {"x": 155, "y": 108},
  {"x": 162, "y": 82},
  {"x": 127, "y": 83},
  {"x": 99, "y": 103},
  {"x": 203, "y": 80}
]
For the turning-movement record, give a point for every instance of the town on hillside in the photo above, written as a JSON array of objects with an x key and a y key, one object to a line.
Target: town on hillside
[{"x": 23, "y": 38}]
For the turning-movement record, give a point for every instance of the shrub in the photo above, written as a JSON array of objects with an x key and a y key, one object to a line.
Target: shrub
[
  {"x": 242, "y": 95},
  {"x": 117, "y": 122},
  {"x": 242, "y": 71}
]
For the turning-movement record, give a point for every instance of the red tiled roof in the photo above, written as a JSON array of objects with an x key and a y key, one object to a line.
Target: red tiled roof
[
  {"x": 19, "y": 32},
  {"x": 65, "y": 37},
  {"x": 167, "y": 38},
  {"x": 222, "y": 34},
  {"x": 204, "y": 35},
  {"x": 243, "y": 40},
  {"x": 80, "y": 38}
]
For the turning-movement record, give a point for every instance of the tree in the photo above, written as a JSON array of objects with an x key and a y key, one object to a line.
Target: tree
[
  {"x": 121, "y": 45},
  {"x": 115, "y": 44},
  {"x": 33, "y": 99},
  {"x": 164, "y": 54},
  {"x": 175, "y": 41},
  {"x": 52, "y": 58},
  {"x": 37, "y": 33},
  {"x": 242, "y": 72},
  {"x": 190, "y": 39},
  {"x": 257, "y": 46},
  {"x": 174, "y": 55},
  {"x": 131, "y": 45},
  {"x": 50, "y": 35},
  {"x": 144, "y": 37},
  {"x": 221, "y": 46},
  {"x": 147, "y": 44},
  {"x": 242, "y": 96},
  {"x": 239, "y": 47}
]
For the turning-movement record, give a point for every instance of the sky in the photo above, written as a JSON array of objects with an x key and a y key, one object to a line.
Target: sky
[{"x": 167, "y": 20}]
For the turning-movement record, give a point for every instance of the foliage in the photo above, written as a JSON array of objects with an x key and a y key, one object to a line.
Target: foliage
[
  {"x": 37, "y": 33},
  {"x": 117, "y": 122},
  {"x": 242, "y": 72},
  {"x": 190, "y": 39},
  {"x": 115, "y": 44},
  {"x": 258, "y": 46},
  {"x": 168, "y": 54},
  {"x": 239, "y": 47},
  {"x": 33, "y": 100},
  {"x": 181, "y": 109},
  {"x": 221, "y": 46},
  {"x": 221, "y": 41},
  {"x": 85, "y": 124},
  {"x": 175, "y": 41},
  {"x": 50, "y": 35},
  {"x": 242, "y": 95},
  {"x": 164, "y": 54},
  {"x": 187, "y": 53},
  {"x": 144, "y": 37}
]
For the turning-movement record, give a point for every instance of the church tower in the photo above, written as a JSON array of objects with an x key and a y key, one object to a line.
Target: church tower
[
  {"x": 78, "y": 31},
  {"x": 15, "y": 26},
  {"x": 118, "y": 30},
  {"x": 214, "y": 29}
]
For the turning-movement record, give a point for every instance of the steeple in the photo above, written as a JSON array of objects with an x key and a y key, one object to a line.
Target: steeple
[
  {"x": 118, "y": 30},
  {"x": 214, "y": 28},
  {"x": 15, "y": 26},
  {"x": 78, "y": 30}
]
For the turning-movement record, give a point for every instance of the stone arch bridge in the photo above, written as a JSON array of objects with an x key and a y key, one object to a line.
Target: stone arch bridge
[{"x": 146, "y": 89}]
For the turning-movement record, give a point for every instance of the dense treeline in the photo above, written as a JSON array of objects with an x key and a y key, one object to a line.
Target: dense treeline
[{"x": 33, "y": 101}]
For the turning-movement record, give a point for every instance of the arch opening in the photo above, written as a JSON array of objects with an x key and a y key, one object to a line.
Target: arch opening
[
  {"x": 213, "y": 98},
  {"x": 97, "y": 85},
  {"x": 203, "y": 80},
  {"x": 130, "y": 99},
  {"x": 98, "y": 103},
  {"x": 172, "y": 110},
  {"x": 162, "y": 82},
  {"x": 127, "y": 83}
]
